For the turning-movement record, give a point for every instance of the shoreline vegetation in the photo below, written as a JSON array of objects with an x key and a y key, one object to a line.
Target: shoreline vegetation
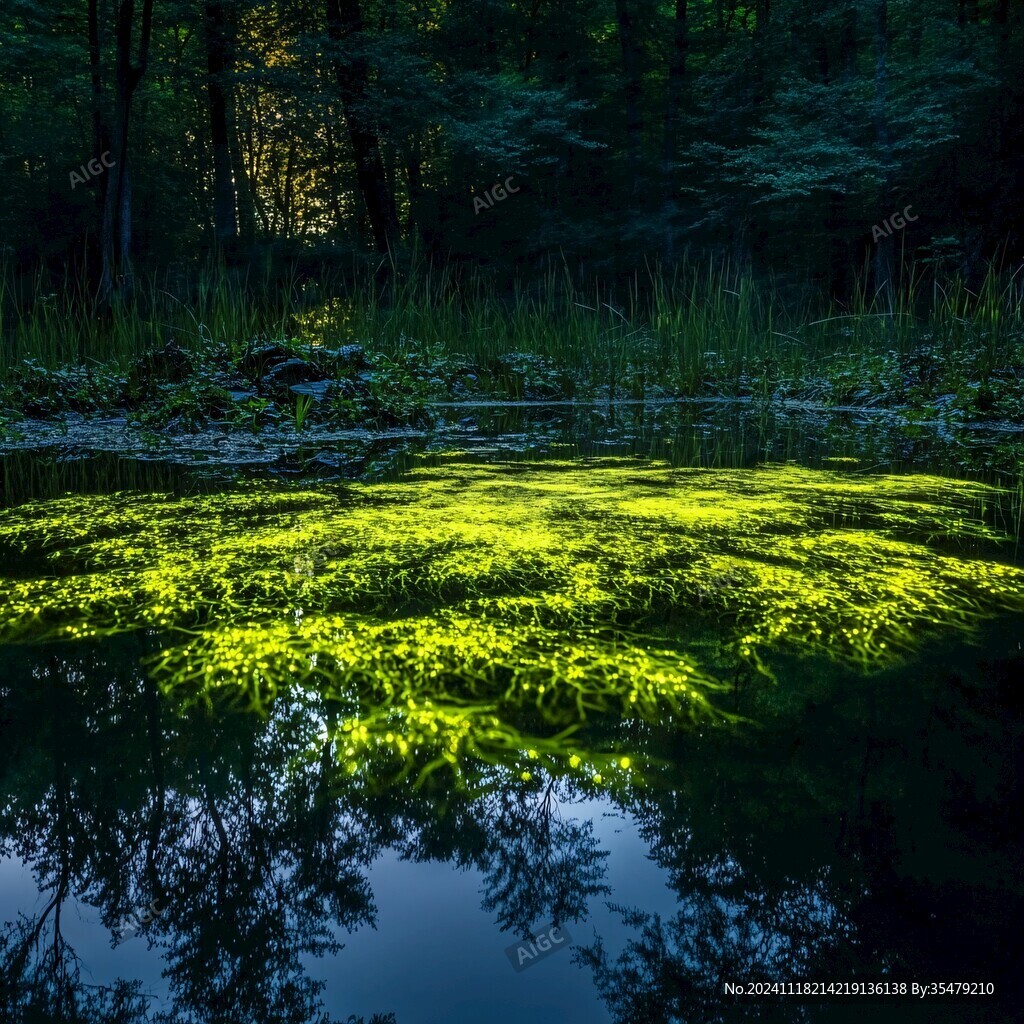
[{"x": 386, "y": 355}]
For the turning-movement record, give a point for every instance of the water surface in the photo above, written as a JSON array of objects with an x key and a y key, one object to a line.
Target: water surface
[{"x": 726, "y": 702}]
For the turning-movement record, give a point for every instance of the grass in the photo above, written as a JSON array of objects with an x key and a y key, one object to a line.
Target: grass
[
  {"x": 302, "y": 406},
  {"x": 699, "y": 325},
  {"x": 702, "y": 329}
]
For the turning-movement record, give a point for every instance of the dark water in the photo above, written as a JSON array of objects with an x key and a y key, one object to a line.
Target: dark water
[
  {"x": 712, "y": 434},
  {"x": 851, "y": 829}
]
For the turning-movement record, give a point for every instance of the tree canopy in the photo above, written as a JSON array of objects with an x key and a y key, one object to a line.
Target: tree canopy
[{"x": 783, "y": 134}]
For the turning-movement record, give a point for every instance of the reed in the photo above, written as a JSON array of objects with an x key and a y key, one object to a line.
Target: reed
[{"x": 698, "y": 320}]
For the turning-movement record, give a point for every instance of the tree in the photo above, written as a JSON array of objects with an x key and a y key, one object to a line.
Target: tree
[
  {"x": 345, "y": 28},
  {"x": 116, "y": 230}
]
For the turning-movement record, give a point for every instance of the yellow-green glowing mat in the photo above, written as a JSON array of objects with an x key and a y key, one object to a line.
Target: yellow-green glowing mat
[{"x": 432, "y": 606}]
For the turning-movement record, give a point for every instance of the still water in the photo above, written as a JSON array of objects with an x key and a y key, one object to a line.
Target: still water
[{"x": 725, "y": 702}]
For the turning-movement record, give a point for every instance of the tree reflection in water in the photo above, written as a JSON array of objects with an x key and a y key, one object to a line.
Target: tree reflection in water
[
  {"x": 250, "y": 832},
  {"x": 833, "y": 841},
  {"x": 862, "y": 833}
]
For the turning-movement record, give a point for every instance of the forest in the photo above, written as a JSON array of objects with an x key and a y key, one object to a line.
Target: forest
[{"x": 142, "y": 137}]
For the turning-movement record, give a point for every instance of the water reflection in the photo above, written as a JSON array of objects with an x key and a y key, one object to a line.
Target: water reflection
[
  {"x": 100, "y": 457},
  {"x": 864, "y": 832},
  {"x": 860, "y": 831},
  {"x": 256, "y": 850},
  {"x": 229, "y": 706}
]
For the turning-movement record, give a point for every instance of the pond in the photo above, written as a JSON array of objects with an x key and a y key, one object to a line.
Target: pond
[{"x": 554, "y": 715}]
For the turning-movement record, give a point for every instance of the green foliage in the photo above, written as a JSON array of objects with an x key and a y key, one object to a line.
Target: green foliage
[
  {"x": 303, "y": 403},
  {"x": 383, "y": 358},
  {"x": 759, "y": 132},
  {"x": 252, "y": 412},
  {"x": 38, "y": 390},
  {"x": 186, "y": 406}
]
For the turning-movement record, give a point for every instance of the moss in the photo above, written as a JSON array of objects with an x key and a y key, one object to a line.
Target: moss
[{"x": 554, "y": 590}]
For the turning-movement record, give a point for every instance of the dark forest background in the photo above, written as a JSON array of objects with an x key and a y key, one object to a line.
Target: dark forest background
[{"x": 777, "y": 135}]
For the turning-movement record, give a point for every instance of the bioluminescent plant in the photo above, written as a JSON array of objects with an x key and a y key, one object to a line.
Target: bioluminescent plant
[{"x": 556, "y": 590}]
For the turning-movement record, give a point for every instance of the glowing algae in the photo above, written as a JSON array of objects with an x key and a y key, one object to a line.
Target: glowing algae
[{"x": 434, "y": 608}]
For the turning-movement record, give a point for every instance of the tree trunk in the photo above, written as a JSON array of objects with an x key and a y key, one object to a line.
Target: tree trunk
[
  {"x": 219, "y": 46},
  {"x": 673, "y": 108},
  {"x": 885, "y": 249},
  {"x": 115, "y": 233},
  {"x": 334, "y": 198},
  {"x": 99, "y": 131},
  {"x": 345, "y": 21},
  {"x": 414, "y": 180},
  {"x": 631, "y": 82},
  {"x": 243, "y": 180}
]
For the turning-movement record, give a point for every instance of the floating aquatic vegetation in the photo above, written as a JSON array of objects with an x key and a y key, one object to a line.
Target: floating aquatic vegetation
[
  {"x": 451, "y": 656},
  {"x": 426, "y": 691},
  {"x": 856, "y": 566},
  {"x": 392, "y": 741},
  {"x": 439, "y": 609}
]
